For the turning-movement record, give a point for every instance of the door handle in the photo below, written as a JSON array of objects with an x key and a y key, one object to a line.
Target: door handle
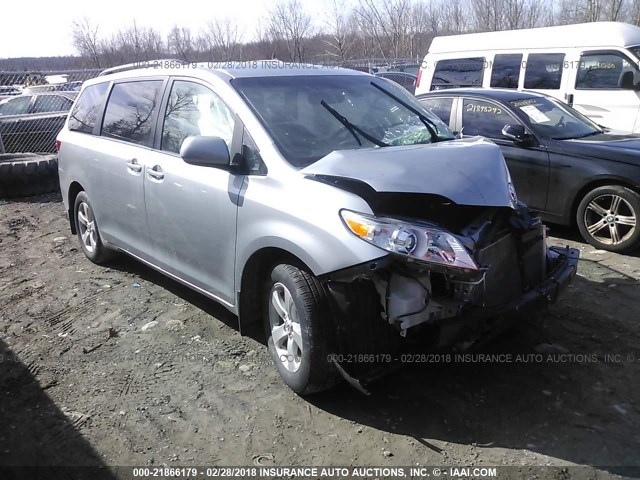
[
  {"x": 156, "y": 173},
  {"x": 134, "y": 166}
]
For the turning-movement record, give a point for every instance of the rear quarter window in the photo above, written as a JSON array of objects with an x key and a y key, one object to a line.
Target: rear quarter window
[
  {"x": 84, "y": 115},
  {"x": 461, "y": 72}
]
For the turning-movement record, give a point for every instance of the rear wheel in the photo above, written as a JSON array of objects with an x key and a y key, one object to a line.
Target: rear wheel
[
  {"x": 88, "y": 233},
  {"x": 608, "y": 218},
  {"x": 299, "y": 326}
]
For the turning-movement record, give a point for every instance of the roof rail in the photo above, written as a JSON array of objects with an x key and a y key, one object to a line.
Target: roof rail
[{"x": 139, "y": 64}]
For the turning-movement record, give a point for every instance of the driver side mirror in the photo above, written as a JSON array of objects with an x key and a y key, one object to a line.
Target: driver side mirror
[
  {"x": 205, "y": 151},
  {"x": 517, "y": 134}
]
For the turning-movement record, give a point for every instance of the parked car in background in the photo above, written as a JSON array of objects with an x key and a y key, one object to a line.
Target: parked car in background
[
  {"x": 8, "y": 91},
  {"x": 30, "y": 123},
  {"x": 405, "y": 80},
  {"x": 69, "y": 86},
  {"x": 563, "y": 165},
  {"x": 593, "y": 66},
  {"x": 325, "y": 204},
  {"x": 38, "y": 89}
]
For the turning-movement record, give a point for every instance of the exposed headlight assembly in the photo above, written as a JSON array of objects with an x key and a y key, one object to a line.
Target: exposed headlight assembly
[{"x": 418, "y": 241}]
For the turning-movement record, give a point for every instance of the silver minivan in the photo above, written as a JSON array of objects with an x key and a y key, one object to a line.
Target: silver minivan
[{"x": 324, "y": 204}]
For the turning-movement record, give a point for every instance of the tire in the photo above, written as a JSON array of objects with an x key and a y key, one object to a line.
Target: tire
[
  {"x": 607, "y": 218},
  {"x": 91, "y": 245},
  {"x": 23, "y": 175},
  {"x": 304, "y": 312}
]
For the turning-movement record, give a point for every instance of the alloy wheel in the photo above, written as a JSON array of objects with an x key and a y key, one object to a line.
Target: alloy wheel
[
  {"x": 87, "y": 227},
  {"x": 610, "y": 219},
  {"x": 285, "y": 328}
]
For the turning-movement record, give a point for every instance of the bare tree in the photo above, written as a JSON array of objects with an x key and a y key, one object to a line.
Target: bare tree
[
  {"x": 180, "y": 43},
  {"x": 222, "y": 40},
  {"x": 613, "y": 10},
  {"x": 290, "y": 24},
  {"x": 387, "y": 21},
  {"x": 633, "y": 12},
  {"x": 341, "y": 36},
  {"x": 86, "y": 40},
  {"x": 455, "y": 17}
]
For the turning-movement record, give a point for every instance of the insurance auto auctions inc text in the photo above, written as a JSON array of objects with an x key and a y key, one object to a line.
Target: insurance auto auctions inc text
[{"x": 376, "y": 472}]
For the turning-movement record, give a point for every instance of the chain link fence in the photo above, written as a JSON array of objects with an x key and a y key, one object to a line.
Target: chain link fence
[{"x": 34, "y": 107}]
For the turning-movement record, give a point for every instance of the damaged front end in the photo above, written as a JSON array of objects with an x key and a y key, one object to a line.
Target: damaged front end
[{"x": 456, "y": 278}]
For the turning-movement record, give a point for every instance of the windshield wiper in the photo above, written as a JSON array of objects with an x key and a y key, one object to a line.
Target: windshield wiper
[
  {"x": 351, "y": 127},
  {"x": 428, "y": 123}
]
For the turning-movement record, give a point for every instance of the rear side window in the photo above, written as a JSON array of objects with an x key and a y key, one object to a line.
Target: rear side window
[
  {"x": 439, "y": 106},
  {"x": 51, "y": 103},
  {"x": 506, "y": 70},
  {"x": 131, "y": 110},
  {"x": 85, "y": 112},
  {"x": 544, "y": 71},
  {"x": 461, "y": 72},
  {"x": 603, "y": 71}
]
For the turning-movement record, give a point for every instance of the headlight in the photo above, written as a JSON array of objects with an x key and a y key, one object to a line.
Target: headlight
[{"x": 418, "y": 241}]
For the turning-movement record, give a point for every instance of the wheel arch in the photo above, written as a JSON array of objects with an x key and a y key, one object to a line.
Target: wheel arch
[
  {"x": 596, "y": 183},
  {"x": 74, "y": 189},
  {"x": 253, "y": 275}
]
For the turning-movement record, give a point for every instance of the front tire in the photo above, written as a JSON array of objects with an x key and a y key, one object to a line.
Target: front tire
[
  {"x": 88, "y": 233},
  {"x": 607, "y": 218},
  {"x": 300, "y": 331}
]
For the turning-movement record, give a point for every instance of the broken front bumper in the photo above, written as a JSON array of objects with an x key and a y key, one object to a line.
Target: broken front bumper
[{"x": 478, "y": 325}]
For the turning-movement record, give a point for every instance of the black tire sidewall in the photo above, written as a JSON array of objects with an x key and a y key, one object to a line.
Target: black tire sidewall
[
  {"x": 630, "y": 196},
  {"x": 315, "y": 367}
]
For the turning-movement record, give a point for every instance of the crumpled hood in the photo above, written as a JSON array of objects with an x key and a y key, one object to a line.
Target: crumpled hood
[{"x": 471, "y": 171}]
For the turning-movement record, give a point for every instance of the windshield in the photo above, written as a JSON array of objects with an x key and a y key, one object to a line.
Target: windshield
[
  {"x": 635, "y": 51},
  {"x": 553, "y": 119},
  {"x": 311, "y": 116}
]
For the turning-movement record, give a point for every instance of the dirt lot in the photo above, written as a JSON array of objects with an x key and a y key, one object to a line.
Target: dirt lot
[{"x": 120, "y": 366}]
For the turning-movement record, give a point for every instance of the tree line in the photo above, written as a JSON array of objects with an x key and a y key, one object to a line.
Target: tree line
[{"x": 348, "y": 30}]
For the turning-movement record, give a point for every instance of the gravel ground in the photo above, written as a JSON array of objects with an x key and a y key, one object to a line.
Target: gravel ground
[{"x": 121, "y": 366}]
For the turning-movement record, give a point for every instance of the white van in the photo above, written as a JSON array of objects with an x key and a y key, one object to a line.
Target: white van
[{"x": 592, "y": 66}]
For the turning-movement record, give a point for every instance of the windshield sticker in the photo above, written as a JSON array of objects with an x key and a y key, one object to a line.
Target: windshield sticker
[
  {"x": 521, "y": 103},
  {"x": 472, "y": 107},
  {"x": 535, "y": 114}
]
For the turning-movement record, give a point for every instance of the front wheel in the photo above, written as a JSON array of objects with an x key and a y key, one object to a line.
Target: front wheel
[
  {"x": 299, "y": 326},
  {"x": 608, "y": 218}
]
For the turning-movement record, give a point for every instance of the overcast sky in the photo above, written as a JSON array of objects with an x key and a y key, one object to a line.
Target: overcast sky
[{"x": 43, "y": 27}]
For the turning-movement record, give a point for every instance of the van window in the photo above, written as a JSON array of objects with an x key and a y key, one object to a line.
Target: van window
[
  {"x": 506, "y": 70},
  {"x": 603, "y": 70},
  {"x": 193, "y": 110},
  {"x": 461, "y": 72},
  {"x": 439, "y": 106},
  {"x": 484, "y": 118},
  {"x": 85, "y": 112},
  {"x": 544, "y": 71},
  {"x": 131, "y": 110}
]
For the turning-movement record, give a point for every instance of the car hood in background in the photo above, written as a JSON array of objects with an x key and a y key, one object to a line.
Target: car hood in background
[
  {"x": 609, "y": 146},
  {"x": 468, "y": 172}
]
